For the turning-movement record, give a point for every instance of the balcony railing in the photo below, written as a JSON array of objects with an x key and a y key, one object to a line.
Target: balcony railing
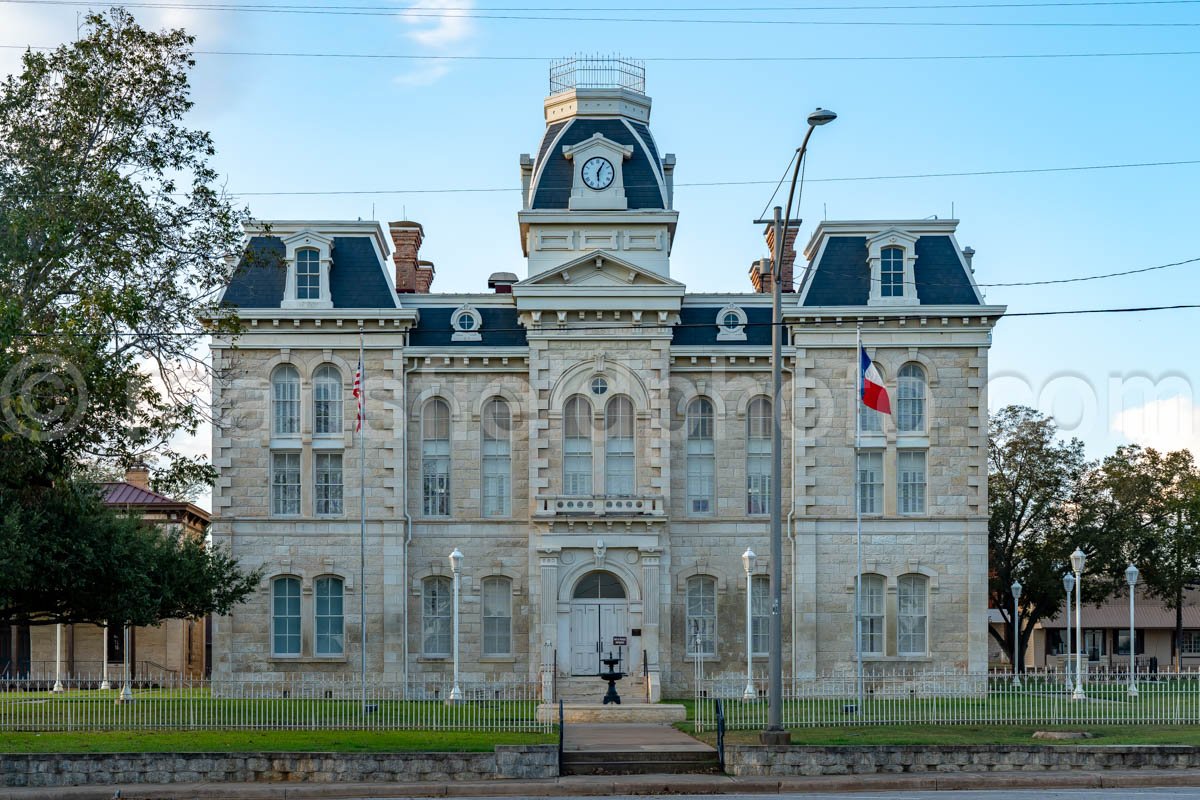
[{"x": 600, "y": 505}]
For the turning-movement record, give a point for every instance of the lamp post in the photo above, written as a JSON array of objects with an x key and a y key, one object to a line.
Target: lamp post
[
  {"x": 748, "y": 559},
  {"x": 1078, "y": 560},
  {"x": 1131, "y": 576},
  {"x": 58, "y": 687},
  {"x": 1016, "y": 593},
  {"x": 775, "y": 732},
  {"x": 126, "y": 695},
  {"x": 104, "y": 684},
  {"x": 1069, "y": 586},
  {"x": 456, "y": 559}
]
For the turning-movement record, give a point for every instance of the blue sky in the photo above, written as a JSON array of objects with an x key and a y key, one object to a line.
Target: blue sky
[{"x": 322, "y": 124}]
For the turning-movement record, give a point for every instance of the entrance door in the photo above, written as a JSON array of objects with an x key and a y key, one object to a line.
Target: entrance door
[{"x": 599, "y": 612}]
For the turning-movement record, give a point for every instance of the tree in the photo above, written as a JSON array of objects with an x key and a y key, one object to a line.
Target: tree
[
  {"x": 1158, "y": 497},
  {"x": 66, "y": 557},
  {"x": 1033, "y": 487}
]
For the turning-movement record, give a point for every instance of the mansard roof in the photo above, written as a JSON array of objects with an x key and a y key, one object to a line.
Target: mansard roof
[
  {"x": 552, "y": 172},
  {"x": 839, "y": 274},
  {"x": 357, "y": 277},
  {"x": 499, "y": 326}
]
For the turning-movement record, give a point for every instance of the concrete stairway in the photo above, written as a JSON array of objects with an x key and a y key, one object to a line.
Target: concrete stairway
[
  {"x": 590, "y": 689},
  {"x": 639, "y": 763},
  {"x": 634, "y": 749}
]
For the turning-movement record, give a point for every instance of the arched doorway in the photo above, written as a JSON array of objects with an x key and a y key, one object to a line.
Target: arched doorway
[{"x": 599, "y": 612}]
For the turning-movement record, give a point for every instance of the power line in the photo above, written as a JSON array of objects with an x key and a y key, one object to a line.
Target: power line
[{"x": 413, "y": 13}]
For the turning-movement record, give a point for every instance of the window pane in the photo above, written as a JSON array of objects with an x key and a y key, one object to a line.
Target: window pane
[
  {"x": 910, "y": 401},
  {"x": 285, "y": 619},
  {"x": 285, "y": 400},
  {"x": 285, "y": 483},
  {"x": 701, "y": 616},
  {"x": 701, "y": 464},
  {"x": 870, "y": 482},
  {"x": 436, "y": 600},
  {"x": 328, "y": 483},
  {"x": 435, "y": 459},
  {"x": 758, "y": 456},
  {"x": 577, "y": 447},
  {"x": 911, "y": 466},
  {"x": 760, "y": 615},
  {"x": 891, "y": 272},
  {"x": 871, "y": 599},
  {"x": 308, "y": 275},
  {"x": 497, "y": 458},
  {"x": 497, "y": 617},
  {"x": 327, "y": 400},
  {"x": 912, "y": 619},
  {"x": 328, "y": 617},
  {"x": 619, "y": 447}
]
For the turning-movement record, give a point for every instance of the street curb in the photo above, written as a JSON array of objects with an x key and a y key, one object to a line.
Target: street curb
[{"x": 590, "y": 786}]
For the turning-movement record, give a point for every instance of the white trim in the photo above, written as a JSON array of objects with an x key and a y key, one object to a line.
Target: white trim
[
  {"x": 464, "y": 334},
  {"x": 731, "y": 333}
]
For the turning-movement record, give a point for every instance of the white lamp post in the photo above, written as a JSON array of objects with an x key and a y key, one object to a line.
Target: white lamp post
[
  {"x": 1069, "y": 585},
  {"x": 456, "y": 559},
  {"x": 1016, "y": 593},
  {"x": 1078, "y": 560},
  {"x": 748, "y": 559},
  {"x": 126, "y": 695},
  {"x": 58, "y": 687},
  {"x": 104, "y": 684},
  {"x": 1131, "y": 576}
]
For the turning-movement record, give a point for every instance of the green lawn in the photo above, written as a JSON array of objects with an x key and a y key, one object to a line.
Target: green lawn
[
  {"x": 968, "y": 734},
  {"x": 267, "y": 741}
]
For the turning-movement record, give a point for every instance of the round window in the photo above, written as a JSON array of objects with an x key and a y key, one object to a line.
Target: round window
[
  {"x": 731, "y": 320},
  {"x": 599, "y": 385},
  {"x": 466, "y": 322}
]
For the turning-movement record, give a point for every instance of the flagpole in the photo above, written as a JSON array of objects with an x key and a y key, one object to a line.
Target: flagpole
[
  {"x": 858, "y": 403},
  {"x": 362, "y": 518}
]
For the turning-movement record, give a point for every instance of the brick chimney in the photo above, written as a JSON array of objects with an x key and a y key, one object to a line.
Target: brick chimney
[
  {"x": 139, "y": 475},
  {"x": 760, "y": 275},
  {"x": 413, "y": 276},
  {"x": 789, "y": 255}
]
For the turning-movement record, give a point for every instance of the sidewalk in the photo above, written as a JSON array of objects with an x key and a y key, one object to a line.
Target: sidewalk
[{"x": 624, "y": 785}]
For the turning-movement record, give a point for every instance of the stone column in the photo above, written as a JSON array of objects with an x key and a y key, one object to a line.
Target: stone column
[
  {"x": 549, "y": 622},
  {"x": 650, "y": 624}
]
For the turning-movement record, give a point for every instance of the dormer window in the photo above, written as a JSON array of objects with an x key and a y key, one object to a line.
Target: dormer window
[
  {"x": 731, "y": 324},
  {"x": 892, "y": 257},
  {"x": 891, "y": 272},
  {"x": 308, "y": 274},
  {"x": 309, "y": 257},
  {"x": 466, "y": 322}
]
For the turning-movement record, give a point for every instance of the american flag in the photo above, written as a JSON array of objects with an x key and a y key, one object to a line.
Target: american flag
[{"x": 358, "y": 396}]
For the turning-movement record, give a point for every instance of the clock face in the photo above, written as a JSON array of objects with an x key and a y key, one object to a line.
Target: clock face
[{"x": 598, "y": 173}]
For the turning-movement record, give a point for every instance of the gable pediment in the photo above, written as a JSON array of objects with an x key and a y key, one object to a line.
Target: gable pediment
[{"x": 598, "y": 270}]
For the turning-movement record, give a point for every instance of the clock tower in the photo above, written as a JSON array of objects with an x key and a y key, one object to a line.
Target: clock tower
[{"x": 598, "y": 182}]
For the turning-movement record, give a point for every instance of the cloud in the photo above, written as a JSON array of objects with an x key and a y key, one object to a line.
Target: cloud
[
  {"x": 428, "y": 73},
  {"x": 1172, "y": 423},
  {"x": 449, "y": 33}
]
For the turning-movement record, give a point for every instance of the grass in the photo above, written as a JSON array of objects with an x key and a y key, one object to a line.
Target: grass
[
  {"x": 264, "y": 741},
  {"x": 968, "y": 734}
]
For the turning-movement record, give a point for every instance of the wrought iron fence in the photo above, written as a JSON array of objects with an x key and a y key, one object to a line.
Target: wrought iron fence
[
  {"x": 957, "y": 698},
  {"x": 308, "y": 702},
  {"x": 597, "y": 72}
]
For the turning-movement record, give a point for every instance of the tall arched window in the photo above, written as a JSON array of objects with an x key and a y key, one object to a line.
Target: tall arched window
[
  {"x": 701, "y": 457},
  {"x": 618, "y": 447},
  {"x": 910, "y": 399},
  {"x": 577, "y": 447},
  {"x": 871, "y": 598},
  {"x": 497, "y": 617},
  {"x": 285, "y": 400},
  {"x": 758, "y": 456},
  {"x": 435, "y": 458},
  {"x": 327, "y": 400},
  {"x": 701, "y": 623},
  {"x": 329, "y": 617},
  {"x": 891, "y": 272},
  {"x": 308, "y": 274},
  {"x": 912, "y": 620},
  {"x": 285, "y": 616},
  {"x": 496, "y": 443},
  {"x": 436, "y": 599}
]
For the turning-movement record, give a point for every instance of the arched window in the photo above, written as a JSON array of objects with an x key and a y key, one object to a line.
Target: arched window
[
  {"x": 285, "y": 400},
  {"x": 285, "y": 616},
  {"x": 701, "y": 627},
  {"x": 327, "y": 400},
  {"x": 910, "y": 399},
  {"x": 891, "y": 272},
  {"x": 870, "y": 420},
  {"x": 497, "y": 617},
  {"x": 618, "y": 447},
  {"x": 599, "y": 585},
  {"x": 435, "y": 458},
  {"x": 871, "y": 598},
  {"x": 758, "y": 456},
  {"x": 496, "y": 444},
  {"x": 701, "y": 457},
  {"x": 329, "y": 617},
  {"x": 760, "y": 615},
  {"x": 436, "y": 599},
  {"x": 577, "y": 447},
  {"x": 308, "y": 274},
  {"x": 912, "y": 619}
]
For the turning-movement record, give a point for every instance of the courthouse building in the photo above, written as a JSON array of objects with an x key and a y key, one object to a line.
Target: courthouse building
[{"x": 594, "y": 437}]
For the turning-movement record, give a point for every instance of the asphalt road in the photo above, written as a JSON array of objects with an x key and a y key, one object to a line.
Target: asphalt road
[{"x": 993, "y": 794}]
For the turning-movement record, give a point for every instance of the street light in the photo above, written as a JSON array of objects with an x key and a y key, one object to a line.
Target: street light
[
  {"x": 775, "y": 732},
  {"x": 58, "y": 687},
  {"x": 1069, "y": 585},
  {"x": 1016, "y": 593},
  {"x": 748, "y": 559},
  {"x": 126, "y": 695},
  {"x": 1078, "y": 560},
  {"x": 1131, "y": 576},
  {"x": 104, "y": 684},
  {"x": 456, "y": 559}
]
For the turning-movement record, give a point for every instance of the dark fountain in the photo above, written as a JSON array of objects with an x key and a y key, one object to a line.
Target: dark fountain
[{"x": 612, "y": 675}]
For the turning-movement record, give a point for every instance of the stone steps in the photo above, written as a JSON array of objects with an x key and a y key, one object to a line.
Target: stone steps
[{"x": 639, "y": 763}]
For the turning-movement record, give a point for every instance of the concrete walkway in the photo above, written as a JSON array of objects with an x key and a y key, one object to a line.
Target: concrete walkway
[
  {"x": 630, "y": 738},
  {"x": 589, "y": 786}
]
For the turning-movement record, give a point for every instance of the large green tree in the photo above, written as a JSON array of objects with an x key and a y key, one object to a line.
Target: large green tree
[{"x": 114, "y": 237}]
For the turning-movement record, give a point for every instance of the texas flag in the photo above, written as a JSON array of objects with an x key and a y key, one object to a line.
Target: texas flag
[{"x": 873, "y": 394}]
